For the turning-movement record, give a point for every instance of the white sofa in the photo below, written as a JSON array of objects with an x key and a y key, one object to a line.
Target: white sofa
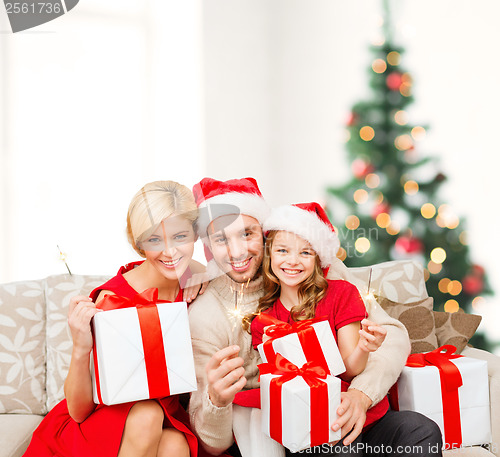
[{"x": 35, "y": 347}]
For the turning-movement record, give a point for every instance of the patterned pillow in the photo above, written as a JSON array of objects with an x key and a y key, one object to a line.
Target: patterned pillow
[
  {"x": 418, "y": 319},
  {"x": 59, "y": 290},
  {"x": 455, "y": 328},
  {"x": 401, "y": 281},
  {"x": 22, "y": 348}
]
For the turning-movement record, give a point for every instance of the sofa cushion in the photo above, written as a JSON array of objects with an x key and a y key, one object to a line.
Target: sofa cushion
[
  {"x": 22, "y": 348},
  {"x": 16, "y": 433},
  {"x": 59, "y": 290},
  {"x": 455, "y": 328},
  {"x": 401, "y": 281},
  {"x": 418, "y": 319}
]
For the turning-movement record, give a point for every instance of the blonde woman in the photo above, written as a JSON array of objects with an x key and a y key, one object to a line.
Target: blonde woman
[{"x": 161, "y": 228}]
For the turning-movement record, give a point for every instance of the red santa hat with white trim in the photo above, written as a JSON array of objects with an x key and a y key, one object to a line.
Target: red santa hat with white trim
[
  {"x": 309, "y": 221},
  {"x": 221, "y": 198}
]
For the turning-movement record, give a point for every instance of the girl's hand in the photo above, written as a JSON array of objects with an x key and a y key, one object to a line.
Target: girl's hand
[
  {"x": 371, "y": 336},
  {"x": 264, "y": 336},
  {"x": 195, "y": 286},
  {"x": 81, "y": 311}
]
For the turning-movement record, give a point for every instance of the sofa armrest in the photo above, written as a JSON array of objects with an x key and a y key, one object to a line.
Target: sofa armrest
[{"x": 494, "y": 378}]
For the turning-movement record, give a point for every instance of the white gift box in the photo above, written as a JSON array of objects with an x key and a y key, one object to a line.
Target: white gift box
[
  {"x": 296, "y": 410},
  {"x": 118, "y": 346},
  {"x": 419, "y": 389},
  {"x": 289, "y": 346}
]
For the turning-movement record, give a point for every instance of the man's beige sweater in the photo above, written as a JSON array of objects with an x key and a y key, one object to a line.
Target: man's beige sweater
[{"x": 214, "y": 327}]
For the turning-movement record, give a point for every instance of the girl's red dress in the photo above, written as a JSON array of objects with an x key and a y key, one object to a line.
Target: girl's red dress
[{"x": 58, "y": 435}]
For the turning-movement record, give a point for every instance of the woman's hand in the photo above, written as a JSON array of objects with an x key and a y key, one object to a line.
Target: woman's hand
[
  {"x": 371, "y": 336},
  {"x": 81, "y": 310},
  {"x": 195, "y": 286}
]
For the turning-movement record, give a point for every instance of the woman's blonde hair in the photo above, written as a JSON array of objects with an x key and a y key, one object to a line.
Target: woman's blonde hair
[
  {"x": 154, "y": 202},
  {"x": 310, "y": 292}
]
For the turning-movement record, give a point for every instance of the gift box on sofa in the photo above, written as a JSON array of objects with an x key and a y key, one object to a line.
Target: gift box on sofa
[
  {"x": 141, "y": 351},
  {"x": 298, "y": 404},
  {"x": 302, "y": 342},
  {"x": 452, "y": 391}
]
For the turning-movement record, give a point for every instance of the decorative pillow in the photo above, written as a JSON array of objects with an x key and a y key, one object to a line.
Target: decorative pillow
[
  {"x": 22, "y": 348},
  {"x": 418, "y": 319},
  {"x": 401, "y": 281},
  {"x": 59, "y": 290},
  {"x": 455, "y": 328}
]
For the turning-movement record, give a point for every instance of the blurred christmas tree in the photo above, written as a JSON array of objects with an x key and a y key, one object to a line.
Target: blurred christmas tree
[{"x": 391, "y": 203}]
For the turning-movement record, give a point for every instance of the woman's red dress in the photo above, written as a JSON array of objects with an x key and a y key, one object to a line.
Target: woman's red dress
[{"x": 58, "y": 435}]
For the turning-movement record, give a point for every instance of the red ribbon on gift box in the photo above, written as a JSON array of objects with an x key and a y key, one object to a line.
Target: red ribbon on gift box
[
  {"x": 451, "y": 380},
  {"x": 306, "y": 333},
  {"x": 152, "y": 339},
  {"x": 311, "y": 372}
]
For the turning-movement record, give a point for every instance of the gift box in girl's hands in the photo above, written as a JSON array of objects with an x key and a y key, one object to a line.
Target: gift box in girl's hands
[
  {"x": 301, "y": 342},
  {"x": 142, "y": 350},
  {"x": 298, "y": 404}
]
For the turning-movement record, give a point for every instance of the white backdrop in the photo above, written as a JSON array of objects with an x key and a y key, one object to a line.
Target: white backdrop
[{"x": 118, "y": 93}]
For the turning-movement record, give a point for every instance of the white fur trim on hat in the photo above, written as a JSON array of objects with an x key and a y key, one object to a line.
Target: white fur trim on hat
[
  {"x": 249, "y": 204},
  {"x": 308, "y": 226}
]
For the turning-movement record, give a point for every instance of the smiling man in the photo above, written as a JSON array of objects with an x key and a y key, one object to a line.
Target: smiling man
[{"x": 231, "y": 216}]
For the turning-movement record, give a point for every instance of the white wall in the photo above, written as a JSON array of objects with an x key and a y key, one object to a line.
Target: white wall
[{"x": 96, "y": 103}]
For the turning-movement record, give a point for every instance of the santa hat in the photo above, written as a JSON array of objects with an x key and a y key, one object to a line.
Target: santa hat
[
  {"x": 309, "y": 221},
  {"x": 221, "y": 198}
]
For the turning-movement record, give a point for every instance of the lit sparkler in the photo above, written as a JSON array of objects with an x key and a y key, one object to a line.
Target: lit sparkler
[
  {"x": 63, "y": 257},
  {"x": 235, "y": 314}
]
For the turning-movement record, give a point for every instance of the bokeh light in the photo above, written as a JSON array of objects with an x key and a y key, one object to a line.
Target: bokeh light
[
  {"x": 342, "y": 254},
  {"x": 451, "y": 306},
  {"x": 411, "y": 187},
  {"x": 352, "y": 222},
  {"x": 454, "y": 287},
  {"x": 362, "y": 245},
  {"x": 379, "y": 66},
  {"x": 428, "y": 210},
  {"x": 443, "y": 285},
  {"x": 418, "y": 133},
  {"x": 434, "y": 267},
  {"x": 372, "y": 180},
  {"x": 367, "y": 133},
  {"x": 438, "y": 255},
  {"x": 401, "y": 117},
  {"x": 393, "y": 58},
  {"x": 383, "y": 220},
  {"x": 478, "y": 302},
  {"x": 403, "y": 142},
  {"x": 360, "y": 196}
]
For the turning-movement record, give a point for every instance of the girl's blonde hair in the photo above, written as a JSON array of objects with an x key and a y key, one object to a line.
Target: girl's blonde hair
[
  {"x": 154, "y": 202},
  {"x": 310, "y": 292}
]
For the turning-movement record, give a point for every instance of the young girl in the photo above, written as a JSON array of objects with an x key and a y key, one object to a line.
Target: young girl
[
  {"x": 301, "y": 243},
  {"x": 160, "y": 227}
]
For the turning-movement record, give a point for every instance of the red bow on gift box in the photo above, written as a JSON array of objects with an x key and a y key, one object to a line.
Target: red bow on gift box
[
  {"x": 311, "y": 372},
  {"x": 152, "y": 339},
  {"x": 305, "y": 332}
]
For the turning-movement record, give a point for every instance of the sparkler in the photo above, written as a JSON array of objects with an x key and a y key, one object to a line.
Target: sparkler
[
  {"x": 235, "y": 314},
  {"x": 62, "y": 257}
]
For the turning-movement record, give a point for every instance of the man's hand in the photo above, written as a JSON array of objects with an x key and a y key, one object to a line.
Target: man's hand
[
  {"x": 352, "y": 414},
  {"x": 225, "y": 376}
]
